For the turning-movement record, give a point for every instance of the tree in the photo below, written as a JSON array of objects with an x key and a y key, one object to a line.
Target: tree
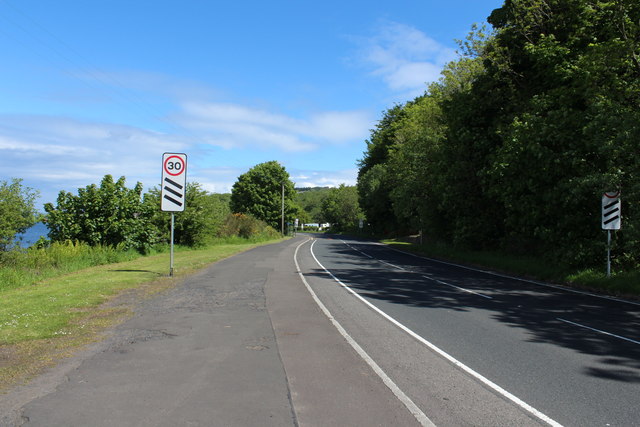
[
  {"x": 415, "y": 193},
  {"x": 17, "y": 210},
  {"x": 341, "y": 209},
  {"x": 110, "y": 214},
  {"x": 514, "y": 146},
  {"x": 201, "y": 219},
  {"x": 374, "y": 187},
  {"x": 258, "y": 192},
  {"x": 310, "y": 200},
  {"x": 573, "y": 66}
]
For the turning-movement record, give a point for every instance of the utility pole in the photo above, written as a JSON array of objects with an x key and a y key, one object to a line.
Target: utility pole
[{"x": 282, "y": 222}]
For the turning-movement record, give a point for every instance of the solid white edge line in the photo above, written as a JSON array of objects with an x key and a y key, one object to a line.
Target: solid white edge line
[
  {"x": 408, "y": 403},
  {"x": 598, "y": 330},
  {"x": 442, "y": 353},
  {"x": 506, "y": 276}
]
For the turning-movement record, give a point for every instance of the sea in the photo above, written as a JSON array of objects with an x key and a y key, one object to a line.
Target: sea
[{"x": 31, "y": 235}]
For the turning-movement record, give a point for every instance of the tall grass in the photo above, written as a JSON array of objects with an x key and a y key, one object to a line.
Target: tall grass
[
  {"x": 247, "y": 227},
  {"x": 21, "y": 267}
]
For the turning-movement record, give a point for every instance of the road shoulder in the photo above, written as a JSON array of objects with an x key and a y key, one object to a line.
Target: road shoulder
[{"x": 329, "y": 383}]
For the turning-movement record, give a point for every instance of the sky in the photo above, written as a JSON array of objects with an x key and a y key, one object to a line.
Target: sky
[{"x": 89, "y": 88}]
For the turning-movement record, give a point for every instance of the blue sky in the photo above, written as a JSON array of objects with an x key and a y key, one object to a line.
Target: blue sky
[{"x": 91, "y": 88}]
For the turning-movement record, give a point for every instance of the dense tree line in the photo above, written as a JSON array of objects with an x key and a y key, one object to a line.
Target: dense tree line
[
  {"x": 111, "y": 214},
  {"x": 513, "y": 148}
]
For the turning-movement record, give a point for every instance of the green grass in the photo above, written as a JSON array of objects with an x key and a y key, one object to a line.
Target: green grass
[
  {"x": 48, "y": 318},
  {"x": 619, "y": 284},
  {"x": 23, "y": 267}
]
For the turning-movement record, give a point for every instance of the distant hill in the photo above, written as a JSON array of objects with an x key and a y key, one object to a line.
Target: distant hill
[
  {"x": 305, "y": 189},
  {"x": 310, "y": 199}
]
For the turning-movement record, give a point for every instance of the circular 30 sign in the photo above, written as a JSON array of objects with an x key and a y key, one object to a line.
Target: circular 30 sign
[{"x": 174, "y": 165}]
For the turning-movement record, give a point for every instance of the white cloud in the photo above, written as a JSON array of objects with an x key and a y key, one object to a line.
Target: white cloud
[
  {"x": 24, "y": 147},
  {"x": 54, "y": 153},
  {"x": 231, "y": 126},
  {"x": 324, "y": 178},
  {"x": 217, "y": 180},
  {"x": 405, "y": 58}
]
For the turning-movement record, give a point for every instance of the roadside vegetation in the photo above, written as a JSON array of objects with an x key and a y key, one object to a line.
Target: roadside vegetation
[{"x": 511, "y": 151}]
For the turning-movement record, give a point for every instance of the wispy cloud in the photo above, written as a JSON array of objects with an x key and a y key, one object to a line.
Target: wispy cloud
[
  {"x": 323, "y": 178},
  {"x": 233, "y": 126},
  {"x": 54, "y": 153},
  {"x": 61, "y": 153},
  {"x": 404, "y": 57}
]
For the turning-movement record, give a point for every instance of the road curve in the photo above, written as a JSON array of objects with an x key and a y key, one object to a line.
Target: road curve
[
  {"x": 562, "y": 357},
  {"x": 322, "y": 330}
]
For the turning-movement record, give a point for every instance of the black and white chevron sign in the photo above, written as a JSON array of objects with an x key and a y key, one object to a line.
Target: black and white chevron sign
[
  {"x": 611, "y": 216},
  {"x": 174, "y": 182}
]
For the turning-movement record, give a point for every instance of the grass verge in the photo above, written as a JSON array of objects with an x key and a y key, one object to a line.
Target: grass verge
[
  {"x": 623, "y": 284},
  {"x": 54, "y": 317}
]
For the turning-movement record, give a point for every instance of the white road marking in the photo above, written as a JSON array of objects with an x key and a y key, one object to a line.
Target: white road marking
[
  {"x": 458, "y": 287},
  {"x": 410, "y": 271},
  {"x": 410, "y": 405},
  {"x": 506, "y": 276},
  {"x": 598, "y": 330},
  {"x": 533, "y": 411}
]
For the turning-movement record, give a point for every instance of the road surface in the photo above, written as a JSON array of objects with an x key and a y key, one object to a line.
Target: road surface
[
  {"x": 563, "y": 356},
  {"x": 321, "y": 330}
]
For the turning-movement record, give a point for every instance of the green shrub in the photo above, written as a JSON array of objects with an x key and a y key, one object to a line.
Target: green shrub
[{"x": 247, "y": 227}]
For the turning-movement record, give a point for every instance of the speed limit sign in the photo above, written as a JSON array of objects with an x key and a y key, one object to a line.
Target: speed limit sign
[{"x": 174, "y": 182}]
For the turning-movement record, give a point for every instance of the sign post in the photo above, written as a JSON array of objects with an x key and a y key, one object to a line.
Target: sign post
[
  {"x": 174, "y": 189},
  {"x": 611, "y": 219}
]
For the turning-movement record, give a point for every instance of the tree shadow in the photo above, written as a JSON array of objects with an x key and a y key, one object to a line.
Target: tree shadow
[{"x": 549, "y": 315}]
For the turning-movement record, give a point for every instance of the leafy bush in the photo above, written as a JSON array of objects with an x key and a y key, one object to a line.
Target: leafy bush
[
  {"x": 246, "y": 226},
  {"x": 111, "y": 215},
  {"x": 17, "y": 210},
  {"x": 203, "y": 215}
]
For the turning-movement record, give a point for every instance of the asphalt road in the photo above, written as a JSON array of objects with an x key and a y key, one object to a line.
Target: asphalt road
[
  {"x": 241, "y": 343},
  {"x": 325, "y": 331},
  {"x": 561, "y": 356}
]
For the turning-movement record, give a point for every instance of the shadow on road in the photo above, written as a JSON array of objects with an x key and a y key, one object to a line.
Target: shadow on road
[{"x": 518, "y": 304}]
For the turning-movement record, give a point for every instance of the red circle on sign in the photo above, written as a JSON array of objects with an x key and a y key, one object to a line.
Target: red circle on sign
[
  {"x": 612, "y": 195},
  {"x": 182, "y": 168}
]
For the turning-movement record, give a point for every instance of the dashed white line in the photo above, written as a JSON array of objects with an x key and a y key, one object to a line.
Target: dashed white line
[
  {"x": 410, "y": 271},
  {"x": 458, "y": 287},
  {"x": 506, "y": 276},
  {"x": 598, "y": 330}
]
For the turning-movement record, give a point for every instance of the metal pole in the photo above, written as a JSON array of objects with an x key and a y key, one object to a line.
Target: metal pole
[
  {"x": 171, "y": 251},
  {"x": 282, "y": 225},
  {"x": 608, "y": 253}
]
